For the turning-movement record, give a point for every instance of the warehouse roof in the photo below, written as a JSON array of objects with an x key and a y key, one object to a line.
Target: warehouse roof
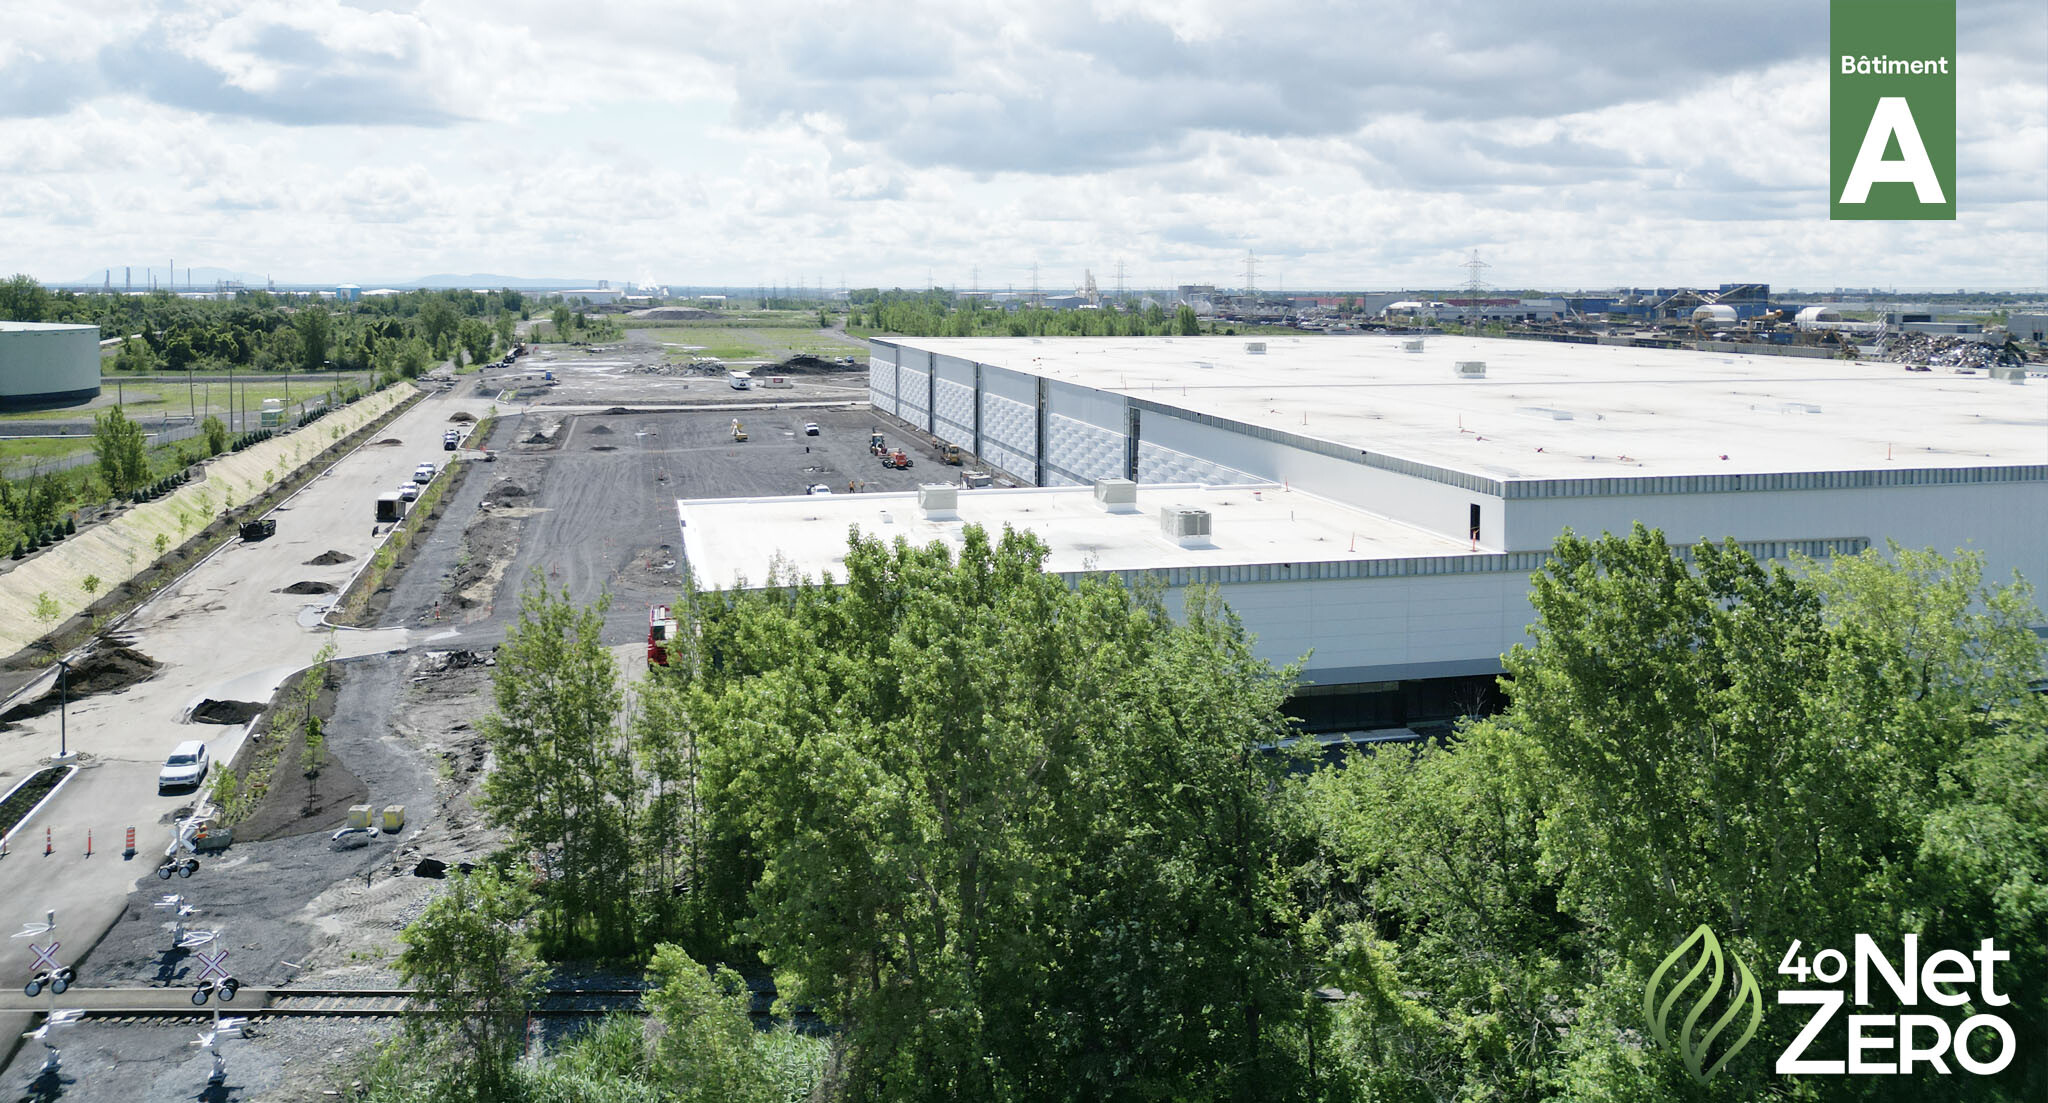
[
  {"x": 728, "y": 537},
  {"x": 1548, "y": 410}
]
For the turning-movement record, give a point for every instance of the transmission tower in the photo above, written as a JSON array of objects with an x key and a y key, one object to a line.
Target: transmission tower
[
  {"x": 1251, "y": 274},
  {"x": 1474, "y": 286},
  {"x": 1119, "y": 279}
]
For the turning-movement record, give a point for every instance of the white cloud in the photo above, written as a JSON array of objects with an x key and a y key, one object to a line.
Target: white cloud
[{"x": 775, "y": 141}]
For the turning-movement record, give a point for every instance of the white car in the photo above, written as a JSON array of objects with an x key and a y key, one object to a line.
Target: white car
[
  {"x": 424, "y": 473},
  {"x": 810, "y": 428},
  {"x": 186, "y": 767},
  {"x": 409, "y": 491},
  {"x": 817, "y": 488}
]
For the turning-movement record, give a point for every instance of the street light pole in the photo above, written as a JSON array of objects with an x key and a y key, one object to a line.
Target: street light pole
[{"x": 63, "y": 708}]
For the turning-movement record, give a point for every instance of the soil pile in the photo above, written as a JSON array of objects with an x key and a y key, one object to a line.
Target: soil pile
[
  {"x": 106, "y": 669},
  {"x": 329, "y": 559},
  {"x": 211, "y": 711},
  {"x": 308, "y": 588},
  {"x": 387, "y": 442},
  {"x": 600, "y": 431}
]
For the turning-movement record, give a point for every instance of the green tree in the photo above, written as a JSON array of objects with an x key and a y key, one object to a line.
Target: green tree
[
  {"x": 1185, "y": 322},
  {"x": 705, "y": 1050},
  {"x": 316, "y": 334},
  {"x": 216, "y": 433},
  {"x": 1693, "y": 739},
  {"x": 134, "y": 356},
  {"x": 559, "y": 319},
  {"x": 563, "y": 783},
  {"x": 438, "y": 322},
  {"x": 122, "y": 449},
  {"x": 473, "y": 967},
  {"x": 476, "y": 336},
  {"x": 1011, "y": 833},
  {"x": 23, "y": 299}
]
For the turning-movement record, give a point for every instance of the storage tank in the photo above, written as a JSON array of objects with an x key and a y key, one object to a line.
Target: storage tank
[{"x": 45, "y": 365}]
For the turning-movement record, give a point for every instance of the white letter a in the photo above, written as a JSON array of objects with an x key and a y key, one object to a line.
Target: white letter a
[{"x": 1892, "y": 117}]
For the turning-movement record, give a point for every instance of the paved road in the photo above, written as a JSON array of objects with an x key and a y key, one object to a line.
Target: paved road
[{"x": 224, "y": 631}]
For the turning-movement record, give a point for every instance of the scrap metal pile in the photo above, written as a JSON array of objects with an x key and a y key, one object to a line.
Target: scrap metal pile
[{"x": 1943, "y": 351}]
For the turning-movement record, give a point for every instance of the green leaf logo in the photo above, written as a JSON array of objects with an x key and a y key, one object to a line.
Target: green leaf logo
[{"x": 1694, "y": 1043}]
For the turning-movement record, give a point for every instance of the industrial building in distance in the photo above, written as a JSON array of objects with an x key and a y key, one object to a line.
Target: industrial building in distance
[
  {"x": 1379, "y": 504},
  {"x": 44, "y": 366}
]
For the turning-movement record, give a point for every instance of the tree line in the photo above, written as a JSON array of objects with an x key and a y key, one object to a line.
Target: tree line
[
  {"x": 391, "y": 335},
  {"x": 1013, "y": 837},
  {"x": 939, "y": 314}
]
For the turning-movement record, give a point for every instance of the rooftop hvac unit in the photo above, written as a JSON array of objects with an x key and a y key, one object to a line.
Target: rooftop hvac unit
[
  {"x": 1471, "y": 369},
  {"x": 1411, "y": 344},
  {"x": 1116, "y": 495},
  {"x": 1185, "y": 527},
  {"x": 939, "y": 501},
  {"x": 1256, "y": 348}
]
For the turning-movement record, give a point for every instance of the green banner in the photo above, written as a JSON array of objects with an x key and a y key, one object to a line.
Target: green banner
[{"x": 1892, "y": 109}]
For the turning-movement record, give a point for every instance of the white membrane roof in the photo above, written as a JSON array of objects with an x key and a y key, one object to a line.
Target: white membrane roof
[
  {"x": 1549, "y": 410},
  {"x": 728, "y": 537}
]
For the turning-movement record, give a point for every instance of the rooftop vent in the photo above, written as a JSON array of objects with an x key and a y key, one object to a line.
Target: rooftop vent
[
  {"x": 939, "y": 501},
  {"x": 1116, "y": 495},
  {"x": 1186, "y": 527},
  {"x": 1256, "y": 348},
  {"x": 1471, "y": 369},
  {"x": 1411, "y": 344}
]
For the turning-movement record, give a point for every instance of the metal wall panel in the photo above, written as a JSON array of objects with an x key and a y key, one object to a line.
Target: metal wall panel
[
  {"x": 1009, "y": 421},
  {"x": 1084, "y": 438},
  {"x": 882, "y": 376},
  {"x": 953, "y": 401},
  {"x": 913, "y": 387}
]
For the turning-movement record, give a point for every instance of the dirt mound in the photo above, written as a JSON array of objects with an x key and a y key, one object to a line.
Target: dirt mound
[
  {"x": 807, "y": 364},
  {"x": 462, "y": 415},
  {"x": 537, "y": 438},
  {"x": 604, "y": 448},
  {"x": 211, "y": 711},
  {"x": 329, "y": 559},
  {"x": 104, "y": 670},
  {"x": 387, "y": 442},
  {"x": 673, "y": 314},
  {"x": 618, "y": 410},
  {"x": 600, "y": 430},
  {"x": 307, "y": 588},
  {"x": 508, "y": 490}
]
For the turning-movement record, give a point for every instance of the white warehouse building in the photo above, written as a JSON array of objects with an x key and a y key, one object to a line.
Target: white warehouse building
[
  {"x": 1379, "y": 504},
  {"x": 45, "y": 365}
]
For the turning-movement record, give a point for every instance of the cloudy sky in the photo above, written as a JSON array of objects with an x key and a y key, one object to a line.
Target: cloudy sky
[{"x": 1345, "y": 144}]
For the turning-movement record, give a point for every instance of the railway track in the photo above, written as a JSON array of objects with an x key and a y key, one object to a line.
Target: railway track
[{"x": 163, "y": 1005}]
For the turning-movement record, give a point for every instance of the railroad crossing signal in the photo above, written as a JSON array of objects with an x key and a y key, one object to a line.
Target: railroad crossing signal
[
  {"x": 172, "y": 863},
  {"x": 47, "y": 970},
  {"x": 226, "y": 986}
]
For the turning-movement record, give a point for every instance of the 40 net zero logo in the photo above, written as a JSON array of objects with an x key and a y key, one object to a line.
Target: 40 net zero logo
[
  {"x": 1892, "y": 109},
  {"x": 1881, "y": 1014}
]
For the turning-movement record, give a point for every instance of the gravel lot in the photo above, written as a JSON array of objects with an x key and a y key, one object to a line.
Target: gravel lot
[{"x": 587, "y": 498}]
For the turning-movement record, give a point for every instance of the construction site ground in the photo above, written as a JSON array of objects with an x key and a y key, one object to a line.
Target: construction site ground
[{"x": 581, "y": 495}]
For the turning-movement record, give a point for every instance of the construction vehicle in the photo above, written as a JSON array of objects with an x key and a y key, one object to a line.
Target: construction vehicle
[
  {"x": 259, "y": 530},
  {"x": 661, "y": 628},
  {"x": 739, "y": 431},
  {"x": 875, "y": 445},
  {"x": 897, "y": 458},
  {"x": 951, "y": 454},
  {"x": 975, "y": 480}
]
